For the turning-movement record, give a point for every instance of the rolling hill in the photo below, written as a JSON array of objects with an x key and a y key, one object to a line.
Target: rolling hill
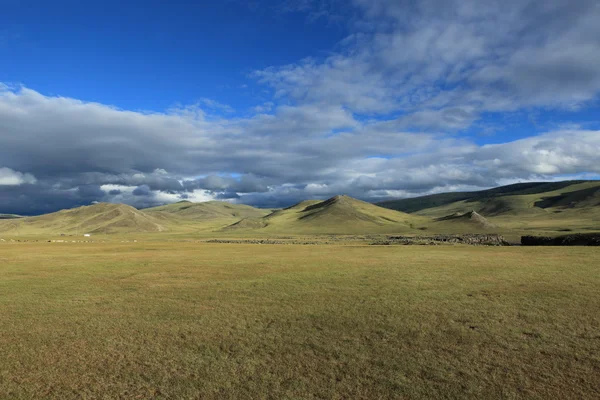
[
  {"x": 208, "y": 210},
  {"x": 102, "y": 218},
  {"x": 544, "y": 207},
  {"x": 416, "y": 204},
  {"x": 521, "y": 209},
  {"x": 209, "y": 215},
  {"x": 337, "y": 215}
]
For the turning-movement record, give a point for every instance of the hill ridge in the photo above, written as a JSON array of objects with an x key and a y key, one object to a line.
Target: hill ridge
[
  {"x": 416, "y": 204},
  {"x": 94, "y": 219},
  {"x": 338, "y": 214},
  {"x": 546, "y": 207}
]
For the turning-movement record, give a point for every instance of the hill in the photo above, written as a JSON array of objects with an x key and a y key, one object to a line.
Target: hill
[
  {"x": 522, "y": 209},
  {"x": 415, "y": 204},
  {"x": 208, "y": 210},
  {"x": 337, "y": 215},
  {"x": 208, "y": 215},
  {"x": 100, "y": 218},
  {"x": 544, "y": 207}
]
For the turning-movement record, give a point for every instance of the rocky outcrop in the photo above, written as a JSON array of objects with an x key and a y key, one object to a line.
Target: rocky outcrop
[{"x": 470, "y": 239}]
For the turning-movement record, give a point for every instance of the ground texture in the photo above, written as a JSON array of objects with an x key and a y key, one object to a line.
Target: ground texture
[{"x": 223, "y": 321}]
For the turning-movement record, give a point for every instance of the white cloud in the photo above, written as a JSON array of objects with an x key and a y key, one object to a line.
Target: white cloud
[
  {"x": 381, "y": 116},
  {"x": 432, "y": 54},
  {"x": 296, "y": 152},
  {"x": 8, "y": 177}
]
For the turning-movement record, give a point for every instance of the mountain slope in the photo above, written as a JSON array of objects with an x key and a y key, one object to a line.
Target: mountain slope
[
  {"x": 542, "y": 207},
  {"x": 471, "y": 218},
  {"x": 208, "y": 210},
  {"x": 416, "y": 204},
  {"x": 95, "y": 219},
  {"x": 339, "y": 215},
  {"x": 505, "y": 199},
  {"x": 204, "y": 216}
]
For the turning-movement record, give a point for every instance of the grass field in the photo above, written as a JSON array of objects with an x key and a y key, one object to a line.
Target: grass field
[
  {"x": 209, "y": 321},
  {"x": 548, "y": 209}
]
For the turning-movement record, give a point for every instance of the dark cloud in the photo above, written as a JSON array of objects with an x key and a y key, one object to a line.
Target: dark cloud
[
  {"x": 92, "y": 192},
  {"x": 37, "y": 199},
  {"x": 227, "y": 196},
  {"x": 380, "y": 117},
  {"x": 143, "y": 190}
]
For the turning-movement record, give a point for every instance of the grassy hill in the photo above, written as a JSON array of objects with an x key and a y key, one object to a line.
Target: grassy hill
[
  {"x": 204, "y": 216},
  {"x": 538, "y": 207},
  {"x": 338, "y": 215},
  {"x": 514, "y": 210},
  {"x": 415, "y": 204},
  {"x": 208, "y": 210},
  {"x": 103, "y": 218}
]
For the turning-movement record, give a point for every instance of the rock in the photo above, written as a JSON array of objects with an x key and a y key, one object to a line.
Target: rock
[{"x": 471, "y": 239}]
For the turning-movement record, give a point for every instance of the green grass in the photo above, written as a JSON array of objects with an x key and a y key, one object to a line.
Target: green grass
[
  {"x": 416, "y": 204},
  {"x": 187, "y": 320},
  {"x": 206, "y": 211},
  {"x": 337, "y": 215},
  {"x": 522, "y": 209},
  {"x": 102, "y": 218}
]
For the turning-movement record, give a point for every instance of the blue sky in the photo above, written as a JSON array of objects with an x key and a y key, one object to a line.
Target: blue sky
[
  {"x": 151, "y": 55},
  {"x": 272, "y": 102}
]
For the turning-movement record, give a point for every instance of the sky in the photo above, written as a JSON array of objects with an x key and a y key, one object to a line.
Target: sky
[{"x": 270, "y": 102}]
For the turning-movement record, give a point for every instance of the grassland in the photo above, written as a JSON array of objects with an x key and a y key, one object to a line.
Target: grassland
[
  {"x": 175, "y": 320},
  {"x": 547, "y": 209},
  {"x": 208, "y": 216},
  {"x": 102, "y": 218},
  {"x": 337, "y": 215},
  {"x": 416, "y": 204}
]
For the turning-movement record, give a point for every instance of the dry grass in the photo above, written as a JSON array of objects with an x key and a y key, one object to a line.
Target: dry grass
[
  {"x": 574, "y": 208},
  {"x": 338, "y": 215},
  {"x": 187, "y": 321}
]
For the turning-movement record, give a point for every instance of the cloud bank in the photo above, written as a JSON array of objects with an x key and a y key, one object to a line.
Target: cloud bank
[{"x": 398, "y": 110}]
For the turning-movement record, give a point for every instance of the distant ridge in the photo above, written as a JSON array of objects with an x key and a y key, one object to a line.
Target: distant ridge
[
  {"x": 101, "y": 218},
  {"x": 540, "y": 208},
  {"x": 415, "y": 204},
  {"x": 339, "y": 215},
  {"x": 548, "y": 207},
  {"x": 208, "y": 210}
]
